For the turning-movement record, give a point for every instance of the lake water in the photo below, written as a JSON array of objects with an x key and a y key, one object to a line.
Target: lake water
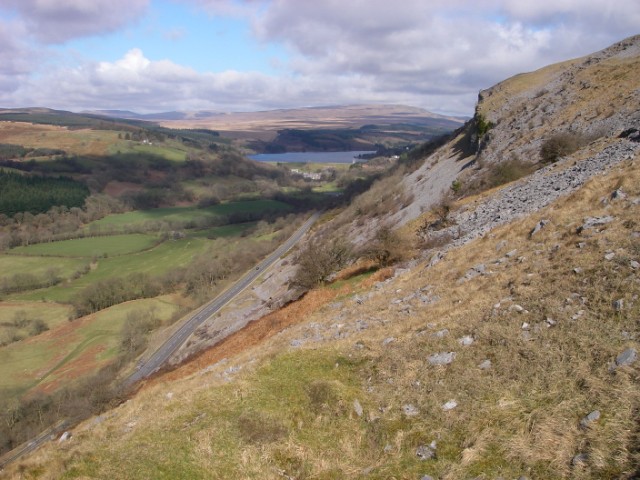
[{"x": 308, "y": 157}]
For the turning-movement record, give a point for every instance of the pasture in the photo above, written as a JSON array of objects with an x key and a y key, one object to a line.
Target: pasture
[
  {"x": 39, "y": 267},
  {"x": 105, "y": 246},
  {"x": 180, "y": 215},
  {"x": 156, "y": 261},
  {"x": 73, "y": 349}
]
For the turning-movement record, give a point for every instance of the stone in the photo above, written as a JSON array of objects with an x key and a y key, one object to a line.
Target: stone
[
  {"x": 387, "y": 341},
  {"x": 442, "y": 358},
  {"x": 609, "y": 256},
  {"x": 473, "y": 272},
  {"x": 525, "y": 326},
  {"x": 427, "y": 477},
  {"x": 593, "y": 222},
  {"x": 618, "y": 305},
  {"x": 581, "y": 245},
  {"x": 635, "y": 265},
  {"x": 539, "y": 226},
  {"x": 579, "y": 459},
  {"x": 577, "y": 270},
  {"x": 437, "y": 257},
  {"x": 450, "y": 405},
  {"x": 550, "y": 322},
  {"x": 589, "y": 419},
  {"x": 426, "y": 452},
  {"x": 410, "y": 410},
  {"x": 618, "y": 195},
  {"x": 169, "y": 395},
  {"x": 295, "y": 343},
  {"x": 512, "y": 253},
  {"x": 518, "y": 308},
  {"x": 388, "y": 448},
  {"x": 466, "y": 340},
  {"x": 357, "y": 408},
  {"x": 485, "y": 365},
  {"x": 627, "y": 357},
  {"x": 500, "y": 245},
  {"x": 64, "y": 437},
  {"x": 441, "y": 333}
]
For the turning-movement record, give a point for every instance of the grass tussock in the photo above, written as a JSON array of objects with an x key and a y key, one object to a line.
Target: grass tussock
[{"x": 542, "y": 315}]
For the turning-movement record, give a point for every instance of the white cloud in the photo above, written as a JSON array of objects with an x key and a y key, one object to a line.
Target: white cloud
[
  {"x": 56, "y": 21},
  {"x": 434, "y": 54}
]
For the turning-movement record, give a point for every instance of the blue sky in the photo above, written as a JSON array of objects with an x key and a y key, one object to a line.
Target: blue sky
[{"x": 241, "y": 55}]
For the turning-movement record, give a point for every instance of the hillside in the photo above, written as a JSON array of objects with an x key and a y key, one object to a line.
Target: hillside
[
  {"x": 316, "y": 129},
  {"x": 505, "y": 348}
]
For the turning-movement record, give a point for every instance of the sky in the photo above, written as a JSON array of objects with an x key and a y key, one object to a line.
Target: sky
[{"x": 247, "y": 55}]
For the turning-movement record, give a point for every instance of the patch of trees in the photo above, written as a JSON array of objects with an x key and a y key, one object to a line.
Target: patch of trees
[
  {"x": 322, "y": 140},
  {"x": 20, "y": 327},
  {"x": 112, "y": 291},
  {"x": 58, "y": 223},
  {"x": 21, "y": 282},
  {"x": 37, "y": 194},
  {"x": 320, "y": 259},
  {"x": 9, "y": 151}
]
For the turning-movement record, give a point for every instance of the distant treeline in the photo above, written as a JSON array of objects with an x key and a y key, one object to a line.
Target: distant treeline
[{"x": 36, "y": 194}]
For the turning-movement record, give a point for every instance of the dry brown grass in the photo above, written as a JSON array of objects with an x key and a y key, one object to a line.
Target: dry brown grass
[{"x": 79, "y": 142}]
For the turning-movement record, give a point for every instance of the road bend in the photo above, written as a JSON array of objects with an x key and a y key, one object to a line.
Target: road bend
[{"x": 162, "y": 354}]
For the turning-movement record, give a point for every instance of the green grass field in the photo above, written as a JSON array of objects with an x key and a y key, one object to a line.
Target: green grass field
[
  {"x": 91, "y": 247},
  {"x": 225, "y": 231},
  {"x": 157, "y": 261},
  {"x": 186, "y": 214},
  {"x": 17, "y": 264},
  {"x": 170, "y": 150},
  {"x": 72, "y": 349}
]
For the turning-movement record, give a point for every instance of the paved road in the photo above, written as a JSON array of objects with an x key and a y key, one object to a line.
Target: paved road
[
  {"x": 160, "y": 356},
  {"x": 34, "y": 443}
]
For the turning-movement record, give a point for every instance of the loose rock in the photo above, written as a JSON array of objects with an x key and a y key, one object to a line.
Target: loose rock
[
  {"x": 589, "y": 419},
  {"x": 357, "y": 408},
  {"x": 466, "y": 340},
  {"x": 442, "y": 358},
  {"x": 593, "y": 222},
  {"x": 410, "y": 410},
  {"x": 579, "y": 459},
  {"x": 450, "y": 405},
  {"x": 485, "y": 365},
  {"x": 539, "y": 226},
  {"x": 627, "y": 357}
]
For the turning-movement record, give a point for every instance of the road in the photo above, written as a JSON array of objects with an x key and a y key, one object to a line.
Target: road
[
  {"x": 34, "y": 443},
  {"x": 160, "y": 356}
]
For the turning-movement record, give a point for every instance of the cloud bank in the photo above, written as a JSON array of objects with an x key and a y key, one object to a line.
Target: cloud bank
[{"x": 435, "y": 54}]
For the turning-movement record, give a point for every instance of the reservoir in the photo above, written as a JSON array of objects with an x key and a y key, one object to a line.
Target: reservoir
[{"x": 309, "y": 157}]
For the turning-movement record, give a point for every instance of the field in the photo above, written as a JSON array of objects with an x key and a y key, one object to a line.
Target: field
[
  {"x": 69, "y": 349},
  {"x": 91, "y": 247},
  {"x": 180, "y": 215},
  {"x": 11, "y": 265}
]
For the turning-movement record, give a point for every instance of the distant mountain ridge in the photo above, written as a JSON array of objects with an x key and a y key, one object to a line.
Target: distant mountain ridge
[{"x": 346, "y": 116}]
